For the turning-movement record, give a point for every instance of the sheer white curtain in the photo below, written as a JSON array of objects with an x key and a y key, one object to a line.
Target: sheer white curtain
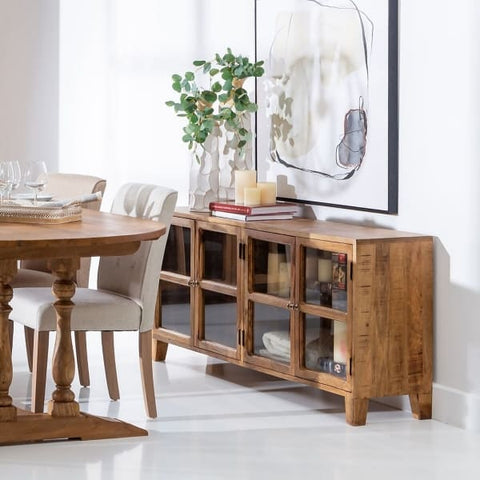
[{"x": 116, "y": 62}]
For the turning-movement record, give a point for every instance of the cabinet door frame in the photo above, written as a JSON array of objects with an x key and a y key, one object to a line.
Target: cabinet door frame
[
  {"x": 165, "y": 334},
  {"x": 251, "y": 297},
  {"x": 326, "y": 380},
  {"x": 203, "y": 285}
]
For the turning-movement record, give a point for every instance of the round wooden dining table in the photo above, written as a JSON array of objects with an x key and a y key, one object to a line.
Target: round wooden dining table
[{"x": 96, "y": 234}]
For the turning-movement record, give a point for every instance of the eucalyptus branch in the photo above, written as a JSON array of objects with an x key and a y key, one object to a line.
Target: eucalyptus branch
[{"x": 224, "y": 103}]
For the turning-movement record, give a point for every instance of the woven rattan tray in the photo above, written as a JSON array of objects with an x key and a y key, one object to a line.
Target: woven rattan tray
[{"x": 39, "y": 214}]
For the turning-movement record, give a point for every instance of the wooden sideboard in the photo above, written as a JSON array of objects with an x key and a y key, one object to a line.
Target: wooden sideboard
[{"x": 344, "y": 308}]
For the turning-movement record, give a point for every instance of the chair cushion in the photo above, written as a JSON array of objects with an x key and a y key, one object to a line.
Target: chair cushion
[
  {"x": 31, "y": 278},
  {"x": 93, "y": 310}
]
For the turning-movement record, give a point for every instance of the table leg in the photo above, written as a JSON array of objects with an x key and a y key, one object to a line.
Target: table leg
[
  {"x": 8, "y": 412},
  {"x": 63, "y": 402},
  {"x": 64, "y": 421}
]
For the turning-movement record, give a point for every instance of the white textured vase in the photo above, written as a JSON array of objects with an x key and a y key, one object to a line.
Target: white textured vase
[
  {"x": 212, "y": 176},
  {"x": 204, "y": 174}
]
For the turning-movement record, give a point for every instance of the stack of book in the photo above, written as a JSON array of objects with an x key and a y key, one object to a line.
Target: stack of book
[{"x": 275, "y": 211}]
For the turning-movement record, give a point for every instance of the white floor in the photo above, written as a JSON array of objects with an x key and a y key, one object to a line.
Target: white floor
[{"x": 219, "y": 421}]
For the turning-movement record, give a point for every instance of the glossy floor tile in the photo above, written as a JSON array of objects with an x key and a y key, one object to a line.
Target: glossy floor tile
[{"x": 219, "y": 421}]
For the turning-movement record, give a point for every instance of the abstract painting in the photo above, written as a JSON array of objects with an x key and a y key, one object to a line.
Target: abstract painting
[{"x": 327, "y": 124}]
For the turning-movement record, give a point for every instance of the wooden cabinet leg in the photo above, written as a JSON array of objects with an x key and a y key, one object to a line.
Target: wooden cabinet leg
[
  {"x": 8, "y": 412},
  {"x": 159, "y": 350},
  {"x": 356, "y": 410},
  {"x": 421, "y": 405}
]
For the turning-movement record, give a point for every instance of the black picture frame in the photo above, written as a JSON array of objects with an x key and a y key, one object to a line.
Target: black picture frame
[{"x": 371, "y": 170}]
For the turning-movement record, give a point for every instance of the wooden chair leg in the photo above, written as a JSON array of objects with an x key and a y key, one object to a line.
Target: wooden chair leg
[
  {"x": 39, "y": 370},
  {"x": 82, "y": 358},
  {"x": 10, "y": 334},
  {"x": 109, "y": 364},
  {"x": 29, "y": 346},
  {"x": 146, "y": 370}
]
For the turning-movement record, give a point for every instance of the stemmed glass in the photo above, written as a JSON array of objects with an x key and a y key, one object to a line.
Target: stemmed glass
[
  {"x": 36, "y": 178},
  {"x": 14, "y": 177},
  {"x": 4, "y": 178}
]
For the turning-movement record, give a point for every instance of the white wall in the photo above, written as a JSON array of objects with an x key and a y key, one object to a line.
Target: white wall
[
  {"x": 29, "y": 80},
  {"x": 116, "y": 59},
  {"x": 439, "y": 188},
  {"x": 116, "y": 62}
]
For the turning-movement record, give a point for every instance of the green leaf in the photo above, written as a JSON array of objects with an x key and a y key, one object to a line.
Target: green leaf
[
  {"x": 199, "y": 63},
  {"x": 217, "y": 87},
  {"x": 258, "y": 72},
  {"x": 209, "y": 96},
  {"x": 176, "y": 78},
  {"x": 207, "y": 67},
  {"x": 189, "y": 76},
  {"x": 241, "y": 143},
  {"x": 170, "y": 103},
  {"x": 177, "y": 87},
  {"x": 229, "y": 58},
  {"x": 214, "y": 71},
  {"x": 226, "y": 74},
  {"x": 223, "y": 97}
]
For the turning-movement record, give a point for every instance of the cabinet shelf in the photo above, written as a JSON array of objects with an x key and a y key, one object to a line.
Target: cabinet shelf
[{"x": 344, "y": 308}]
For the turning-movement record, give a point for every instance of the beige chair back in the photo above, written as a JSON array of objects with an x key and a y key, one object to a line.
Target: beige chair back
[
  {"x": 68, "y": 185},
  {"x": 137, "y": 276}
]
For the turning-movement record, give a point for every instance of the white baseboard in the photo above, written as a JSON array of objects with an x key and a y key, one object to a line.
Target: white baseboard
[
  {"x": 456, "y": 407},
  {"x": 450, "y": 406}
]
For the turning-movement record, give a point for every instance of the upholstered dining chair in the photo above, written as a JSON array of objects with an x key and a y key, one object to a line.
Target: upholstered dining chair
[
  {"x": 124, "y": 299},
  {"x": 35, "y": 272}
]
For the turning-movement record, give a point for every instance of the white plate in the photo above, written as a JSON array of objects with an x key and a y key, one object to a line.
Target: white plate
[{"x": 42, "y": 197}]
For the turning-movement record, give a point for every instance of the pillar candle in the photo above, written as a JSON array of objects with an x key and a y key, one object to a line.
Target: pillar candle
[
  {"x": 324, "y": 270},
  {"x": 284, "y": 279},
  {"x": 340, "y": 350},
  {"x": 251, "y": 196},
  {"x": 244, "y": 179},
  {"x": 268, "y": 192},
  {"x": 273, "y": 266}
]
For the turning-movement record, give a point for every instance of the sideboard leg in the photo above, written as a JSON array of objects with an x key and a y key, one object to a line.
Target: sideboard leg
[
  {"x": 159, "y": 350},
  {"x": 356, "y": 410},
  {"x": 421, "y": 404}
]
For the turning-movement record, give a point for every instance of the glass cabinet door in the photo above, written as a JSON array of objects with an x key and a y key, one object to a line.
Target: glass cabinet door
[
  {"x": 323, "y": 303},
  {"x": 270, "y": 293},
  {"x": 218, "y": 310},
  {"x": 325, "y": 278},
  {"x": 175, "y": 291}
]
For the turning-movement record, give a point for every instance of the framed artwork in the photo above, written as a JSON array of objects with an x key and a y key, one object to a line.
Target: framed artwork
[{"x": 327, "y": 123}]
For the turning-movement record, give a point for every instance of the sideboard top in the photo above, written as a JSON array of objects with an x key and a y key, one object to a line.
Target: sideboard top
[{"x": 307, "y": 228}]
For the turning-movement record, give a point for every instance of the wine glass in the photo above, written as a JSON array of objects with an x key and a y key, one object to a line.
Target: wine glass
[
  {"x": 14, "y": 177},
  {"x": 3, "y": 180},
  {"x": 36, "y": 178}
]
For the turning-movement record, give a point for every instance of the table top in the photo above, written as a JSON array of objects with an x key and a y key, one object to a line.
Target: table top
[{"x": 98, "y": 233}]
